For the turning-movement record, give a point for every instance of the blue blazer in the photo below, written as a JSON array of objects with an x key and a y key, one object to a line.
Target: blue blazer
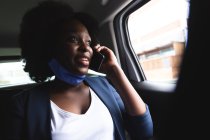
[{"x": 29, "y": 114}]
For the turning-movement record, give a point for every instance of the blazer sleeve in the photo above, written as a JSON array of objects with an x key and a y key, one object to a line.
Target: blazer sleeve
[{"x": 139, "y": 127}]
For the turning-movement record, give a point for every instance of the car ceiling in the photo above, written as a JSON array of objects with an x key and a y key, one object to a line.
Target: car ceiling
[{"x": 11, "y": 12}]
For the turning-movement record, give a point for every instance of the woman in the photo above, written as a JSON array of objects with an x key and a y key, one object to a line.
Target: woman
[{"x": 55, "y": 41}]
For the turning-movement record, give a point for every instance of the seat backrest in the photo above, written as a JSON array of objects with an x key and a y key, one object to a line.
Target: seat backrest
[
  {"x": 4, "y": 99},
  {"x": 5, "y": 96},
  {"x": 188, "y": 115}
]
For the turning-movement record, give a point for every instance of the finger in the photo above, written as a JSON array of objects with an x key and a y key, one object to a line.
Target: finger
[
  {"x": 96, "y": 47},
  {"x": 102, "y": 48}
]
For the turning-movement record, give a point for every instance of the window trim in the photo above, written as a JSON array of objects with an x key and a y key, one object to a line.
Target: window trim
[
  {"x": 13, "y": 58},
  {"x": 127, "y": 54}
]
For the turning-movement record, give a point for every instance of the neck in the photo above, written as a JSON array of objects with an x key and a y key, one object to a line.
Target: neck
[{"x": 62, "y": 87}]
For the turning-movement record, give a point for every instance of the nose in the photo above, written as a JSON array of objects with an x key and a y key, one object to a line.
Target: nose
[{"x": 84, "y": 44}]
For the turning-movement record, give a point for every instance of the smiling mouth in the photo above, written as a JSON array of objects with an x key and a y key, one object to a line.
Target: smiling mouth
[{"x": 84, "y": 61}]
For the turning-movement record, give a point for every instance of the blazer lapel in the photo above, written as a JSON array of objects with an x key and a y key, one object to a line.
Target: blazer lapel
[
  {"x": 104, "y": 92},
  {"x": 39, "y": 115}
]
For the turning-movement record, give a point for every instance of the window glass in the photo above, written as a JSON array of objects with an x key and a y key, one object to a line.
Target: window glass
[
  {"x": 12, "y": 73},
  {"x": 158, "y": 34}
]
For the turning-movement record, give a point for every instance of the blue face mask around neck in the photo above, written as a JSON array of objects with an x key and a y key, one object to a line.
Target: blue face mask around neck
[{"x": 63, "y": 74}]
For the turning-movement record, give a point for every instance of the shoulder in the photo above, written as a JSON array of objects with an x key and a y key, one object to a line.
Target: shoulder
[
  {"x": 31, "y": 101},
  {"x": 33, "y": 92},
  {"x": 98, "y": 80},
  {"x": 102, "y": 85}
]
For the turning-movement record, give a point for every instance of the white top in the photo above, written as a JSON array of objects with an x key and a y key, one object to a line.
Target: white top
[{"x": 95, "y": 124}]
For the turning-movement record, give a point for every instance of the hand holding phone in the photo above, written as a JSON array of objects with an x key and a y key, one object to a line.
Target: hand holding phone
[{"x": 96, "y": 61}]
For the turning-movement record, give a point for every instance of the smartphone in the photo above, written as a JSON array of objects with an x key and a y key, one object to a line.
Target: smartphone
[{"x": 96, "y": 61}]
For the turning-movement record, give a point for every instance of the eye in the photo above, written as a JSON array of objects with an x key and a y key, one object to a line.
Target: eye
[
  {"x": 89, "y": 42},
  {"x": 72, "y": 39}
]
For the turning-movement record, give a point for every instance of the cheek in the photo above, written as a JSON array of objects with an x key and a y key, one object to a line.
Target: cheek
[
  {"x": 70, "y": 50},
  {"x": 67, "y": 54}
]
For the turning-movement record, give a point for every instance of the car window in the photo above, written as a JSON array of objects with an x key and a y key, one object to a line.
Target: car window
[
  {"x": 12, "y": 73},
  {"x": 158, "y": 35}
]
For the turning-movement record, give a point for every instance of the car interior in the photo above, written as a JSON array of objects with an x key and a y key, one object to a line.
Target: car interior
[{"x": 178, "y": 107}]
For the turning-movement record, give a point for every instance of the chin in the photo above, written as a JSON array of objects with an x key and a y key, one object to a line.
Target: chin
[{"x": 83, "y": 71}]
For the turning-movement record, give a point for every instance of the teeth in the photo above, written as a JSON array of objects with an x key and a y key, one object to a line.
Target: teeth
[{"x": 85, "y": 59}]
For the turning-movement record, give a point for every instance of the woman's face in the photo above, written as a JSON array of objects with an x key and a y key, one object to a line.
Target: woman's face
[{"x": 77, "y": 51}]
